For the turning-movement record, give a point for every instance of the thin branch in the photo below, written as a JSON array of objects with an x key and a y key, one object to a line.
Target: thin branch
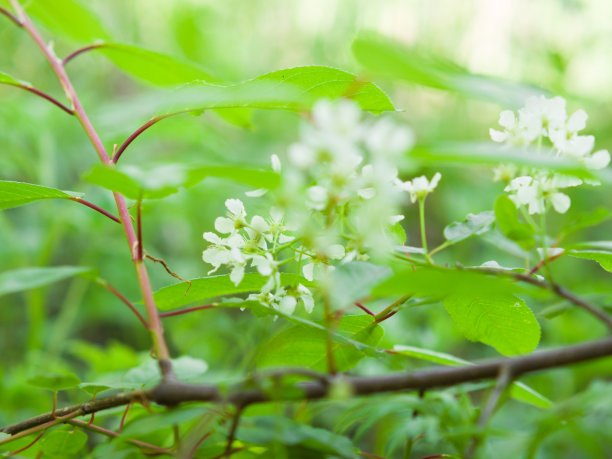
[
  {"x": 125, "y": 301},
  {"x": 139, "y": 228},
  {"x": 79, "y": 51},
  {"x": 48, "y": 97},
  {"x": 232, "y": 432},
  {"x": 363, "y": 308},
  {"x": 186, "y": 310},
  {"x": 21, "y": 450},
  {"x": 171, "y": 393},
  {"x": 96, "y": 208},
  {"x": 168, "y": 270},
  {"x": 136, "y": 133},
  {"x": 11, "y": 16}
]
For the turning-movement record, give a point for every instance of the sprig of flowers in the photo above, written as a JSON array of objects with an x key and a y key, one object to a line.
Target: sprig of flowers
[{"x": 545, "y": 119}]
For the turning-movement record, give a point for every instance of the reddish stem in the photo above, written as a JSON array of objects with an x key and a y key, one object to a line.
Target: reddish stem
[
  {"x": 386, "y": 316},
  {"x": 9, "y": 15},
  {"x": 123, "y": 417},
  {"x": 139, "y": 229},
  {"x": 187, "y": 310},
  {"x": 13, "y": 453},
  {"x": 136, "y": 133},
  {"x": 543, "y": 262},
  {"x": 125, "y": 301},
  {"x": 74, "y": 54},
  {"x": 96, "y": 208},
  {"x": 47, "y": 97},
  {"x": 366, "y": 310}
]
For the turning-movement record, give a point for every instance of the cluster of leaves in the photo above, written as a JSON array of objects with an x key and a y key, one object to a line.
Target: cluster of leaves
[{"x": 485, "y": 304}]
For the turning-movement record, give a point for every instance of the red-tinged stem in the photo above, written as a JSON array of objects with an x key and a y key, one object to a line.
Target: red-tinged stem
[
  {"x": 47, "y": 97},
  {"x": 96, "y": 208},
  {"x": 136, "y": 133},
  {"x": 74, "y": 54},
  {"x": 11, "y": 17},
  {"x": 155, "y": 325},
  {"x": 362, "y": 307},
  {"x": 125, "y": 301},
  {"x": 385, "y": 317},
  {"x": 139, "y": 229},
  {"x": 187, "y": 310},
  {"x": 123, "y": 417},
  {"x": 13, "y": 453},
  {"x": 541, "y": 263}
]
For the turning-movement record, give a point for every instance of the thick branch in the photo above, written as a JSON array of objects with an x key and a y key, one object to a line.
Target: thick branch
[{"x": 173, "y": 392}]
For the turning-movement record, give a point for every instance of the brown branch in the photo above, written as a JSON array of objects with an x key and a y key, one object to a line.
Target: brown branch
[
  {"x": 11, "y": 16},
  {"x": 136, "y": 133},
  {"x": 79, "y": 51},
  {"x": 96, "y": 208},
  {"x": 168, "y": 270},
  {"x": 171, "y": 392}
]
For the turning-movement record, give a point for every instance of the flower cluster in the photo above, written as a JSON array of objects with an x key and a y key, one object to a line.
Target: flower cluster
[
  {"x": 544, "y": 119},
  {"x": 339, "y": 197}
]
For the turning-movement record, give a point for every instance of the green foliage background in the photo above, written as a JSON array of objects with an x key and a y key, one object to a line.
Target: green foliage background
[{"x": 76, "y": 326}]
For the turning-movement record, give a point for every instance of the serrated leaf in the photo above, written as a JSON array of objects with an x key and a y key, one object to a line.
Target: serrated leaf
[
  {"x": 68, "y": 18},
  {"x": 62, "y": 443},
  {"x": 14, "y": 194},
  {"x": 438, "y": 282},
  {"x": 206, "y": 288},
  {"x": 7, "y": 79},
  {"x": 22, "y": 279},
  {"x": 501, "y": 321},
  {"x": 385, "y": 56},
  {"x": 300, "y": 440},
  {"x": 518, "y": 390},
  {"x": 153, "y": 67},
  {"x": 156, "y": 182},
  {"x": 55, "y": 382},
  {"x": 604, "y": 258},
  {"x": 327, "y": 82},
  {"x": 506, "y": 216},
  {"x": 302, "y": 346},
  {"x": 473, "y": 224},
  {"x": 355, "y": 280}
]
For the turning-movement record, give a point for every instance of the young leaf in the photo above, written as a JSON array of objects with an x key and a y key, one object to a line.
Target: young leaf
[
  {"x": 14, "y": 194},
  {"x": 68, "y": 18},
  {"x": 472, "y": 225},
  {"x": 55, "y": 382},
  {"x": 22, "y": 279},
  {"x": 7, "y": 79},
  {"x": 327, "y": 82},
  {"x": 153, "y": 67},
  {"x": 506, "y": 216},
  {"x": 207, "y": 288},
  {"x": 518, "y": 390},
  {"x": 302, "y": 346},
  {"x": 63, "y": 443},
  {"x": 604, "y": 258},
  {"x": 501, "y": 321},
  {"x": 383, "y": 55}
]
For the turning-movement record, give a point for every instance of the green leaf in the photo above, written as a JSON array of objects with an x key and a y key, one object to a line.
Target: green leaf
[
  {"x": 382, "y": 55},
  {"x": 55, "y": 382},
  {"x": 63, "y": 443},
  {"x": 94, "y": 389},
  {"x": 472, "y": 225},
  {"x": 22, "y": 279},
  {"x": 7, "y": 79},
  {"x": 14, "y": 194},
  {"x": 438, "y": 282},
  {"x": 156, "y": 182},
  {"x": 586, "y": 220},
  {"x": 604, "y": 258},
  {"x": 147, "y": 424},
  {"x": 153, "y": 67},
  {"x": 206, "y": 288},
  {"x": 518, "y": 391},
  {"x": 355, "y": 280},
  {"x": 506, "y": 215},
  {"x": 327, "y": 82},
  {"x": 501, "y": 321},
  {"x": 303, "y": 346},
  {"x": 68, "y": 18},
  {"x": 185, "y": 368},
  {"x": 301, "y": 440}
]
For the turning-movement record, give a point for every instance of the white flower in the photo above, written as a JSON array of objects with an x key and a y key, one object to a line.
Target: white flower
[
  {"x": 504, "y": 172},
  {"x": 317, "y": 197},
  {"x": 276, "y": 164},
  {"x": 534, "y": 192},
  {"x": 597, "y": 160},
  {"x": 235, "y": 220},
  {"x": 386, "y": 138},
  {"x": 420, "y": 187},
  {"x": 226, "y": 252},
  {"x": 521, "y": 131},
  {"x": 550, "y": 114},
  {"x": 338, "y": 117}
]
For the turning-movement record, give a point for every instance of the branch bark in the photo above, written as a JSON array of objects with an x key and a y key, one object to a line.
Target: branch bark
[{"x": 172, "y": 392}]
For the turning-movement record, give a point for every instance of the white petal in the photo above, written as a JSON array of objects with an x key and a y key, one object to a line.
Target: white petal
[
  {"x": 256, "y": 193},
  {"x": 335, "y": 251},
  {"x": 308, "y": 271},
  {"x": 224, "y": 225},
  {"x": 498, "y": 136},
  {"x": 434, "y": 181},
  {"x": 287, "y": 305},
  {"x": 236, "y": 207},
  {"x": 577, "y": 122},
  {"x": 308, "y": 303},
  {"x": 560, "y": 202},
  {"x": 276, "y": 164},
  {"x": 507, "y": 119},
  {"x": 259, "y": 224},
  {"x": 367, "y": 193},
  {"x": 597, "y": 160},
  {"x": 212, "y": 238},
  {"x": 237, "y": 274}
]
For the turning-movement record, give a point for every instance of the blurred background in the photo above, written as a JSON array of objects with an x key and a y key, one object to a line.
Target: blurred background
[{"x": 561, "y": 46}]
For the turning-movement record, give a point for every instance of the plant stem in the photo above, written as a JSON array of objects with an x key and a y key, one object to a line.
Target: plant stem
[
  {"x": 11, "y": 17},
  {"x": 96, "y": 208},
  {"x": 155, "y": 326},
  {"x": 79, "y": 51},
  {"x": 423, "y": 233},
  {"x": 186, "y": 311},
  {"x": 136, "y": 133}
]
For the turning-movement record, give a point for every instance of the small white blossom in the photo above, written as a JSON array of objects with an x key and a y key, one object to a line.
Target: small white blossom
[
  {"x": 235, "y": 220},
  {"x": 388, "y": 139},
  {"x": 420, "y": 187}
]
